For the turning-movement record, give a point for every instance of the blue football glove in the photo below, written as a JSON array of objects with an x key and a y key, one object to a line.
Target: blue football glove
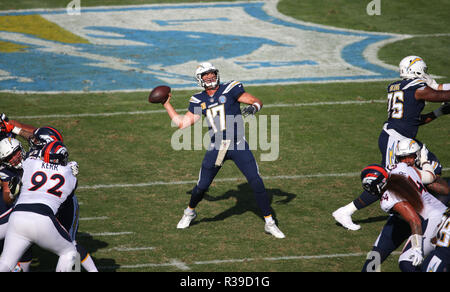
[{"x": 445, "y": 108}]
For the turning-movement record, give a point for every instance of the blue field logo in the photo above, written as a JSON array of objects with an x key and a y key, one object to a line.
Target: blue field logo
[{"x": 130, "y": 48}]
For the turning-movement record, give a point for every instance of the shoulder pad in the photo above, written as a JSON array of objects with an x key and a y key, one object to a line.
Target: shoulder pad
[
  {"x": 3, "y": 175},
  {"x": 193, "y": 99},
  {"x": 413, "y": 83},
  {"x": 231, "y": 85}
]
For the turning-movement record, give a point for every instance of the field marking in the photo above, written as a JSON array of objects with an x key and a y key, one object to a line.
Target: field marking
[
  {"x": 184, "y": 266},
  {"x": 274, "y": 105},
  {"x": 93, "y": 218},
  {"x": 86, "y": 234},
  {"x": 127, "y": 249},
  {"x": 230, "y": 179}
]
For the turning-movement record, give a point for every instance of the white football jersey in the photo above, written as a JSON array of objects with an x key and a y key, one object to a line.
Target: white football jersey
[
  {"x": 431, "y": 205},
  {"x": 46, "y": 183}
]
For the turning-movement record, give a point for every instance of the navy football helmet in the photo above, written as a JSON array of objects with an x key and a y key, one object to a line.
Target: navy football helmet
[
  {"x": 374, "y": 178},
  {"x": 55, "y": 152},
  {"x": 44, "y": 135}
]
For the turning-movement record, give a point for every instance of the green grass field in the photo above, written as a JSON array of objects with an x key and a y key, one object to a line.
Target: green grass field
[{"x": 322, "y": 149}]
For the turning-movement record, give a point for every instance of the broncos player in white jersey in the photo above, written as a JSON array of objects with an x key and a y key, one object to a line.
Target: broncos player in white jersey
[
  {"x": 406, "y": 100},
  {"x": 68, "y": 212},
  {"x": 415, "y": 213},
  {"x": 220, "y": 103},
  {"x": 47, "y": 182}
]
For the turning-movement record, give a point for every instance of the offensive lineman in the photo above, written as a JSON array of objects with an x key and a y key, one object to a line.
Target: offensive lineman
[
  {"x": 11, "y": 158},
  {"x": 47, "y": 182},
  {"x": 220, "y": 103},
  {"x": 406, "y": 100}
]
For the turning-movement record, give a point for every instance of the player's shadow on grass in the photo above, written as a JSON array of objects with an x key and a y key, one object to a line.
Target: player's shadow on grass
[
  {"x": 246, "y": 202},
  {"x": 45, "y": 261}
]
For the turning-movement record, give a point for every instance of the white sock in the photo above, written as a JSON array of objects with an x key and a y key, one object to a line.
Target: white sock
[
  {"x": 88, "y": 264},
  {"x": 269, "y": 219},
  {"x": 351, "y": 208}
]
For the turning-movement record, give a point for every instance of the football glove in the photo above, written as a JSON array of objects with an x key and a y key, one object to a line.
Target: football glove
[
  {"x": 249, "y": 110},
  {"x": 74, "y": 166},
  {"x": 4, "y": 125},
  {"x": 444, "y": 109},
  {"x": 430, "y": 81},
  {"x": 3, "y": 118},
  {"x": 15, "y": 185},
  {"x": 416, "y": 250},
  {"x": 423, "y": 155}
]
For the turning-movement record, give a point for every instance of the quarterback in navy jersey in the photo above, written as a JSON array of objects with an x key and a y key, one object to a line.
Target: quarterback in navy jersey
[
  {"x": 406, "y": 99},
  {"x": 11, "y": 157},
  {"x": 222, "y": 111},
  {"x": 220, "y": 104}
]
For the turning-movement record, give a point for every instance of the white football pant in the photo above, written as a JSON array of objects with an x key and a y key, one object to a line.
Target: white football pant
[{"x": 26, "y": 228}]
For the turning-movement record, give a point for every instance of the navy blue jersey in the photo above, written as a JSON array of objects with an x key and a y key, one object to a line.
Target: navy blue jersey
[
  {"x": 222, "y": 111},
  {"x": 6, "y": 175},
  {"x": 6, "y": 135},
  {"x": 403, "y": 108}
]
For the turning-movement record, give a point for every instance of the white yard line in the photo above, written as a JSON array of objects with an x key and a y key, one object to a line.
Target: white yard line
[
  {"x": 93, "y": 218},
  {"x": 86, "y": 234},
  {"x": 127, "y": 249},
  {"x": 230, "y": 179},
  {"x": 275, "y": 105},
  {"x": 184, "y": 266}
]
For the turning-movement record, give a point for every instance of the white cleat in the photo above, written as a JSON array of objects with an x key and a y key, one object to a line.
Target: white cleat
[
  {"x": 272, "y": 228},
  {"x": 344, "y": 217},
  {"x": 186, "y": 220}
]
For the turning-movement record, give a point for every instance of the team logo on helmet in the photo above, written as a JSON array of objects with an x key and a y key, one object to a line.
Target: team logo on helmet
[
  {"x": 44, "y": 135},
  {"x": 55, "y": 152},
  {"x": 374, "y": 178},
  {"x": 412, "y": 67}
]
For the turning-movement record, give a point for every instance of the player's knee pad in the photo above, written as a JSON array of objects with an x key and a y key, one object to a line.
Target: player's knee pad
[{"x": 69, "y": 262}]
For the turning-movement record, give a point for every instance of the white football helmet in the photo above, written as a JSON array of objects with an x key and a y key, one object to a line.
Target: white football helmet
[
  {"x": 412, "y": 67},
  {"x": 203, "y": 68},
  {"x": 407, "y": 147},
  {"x": 8, "y": 151}
]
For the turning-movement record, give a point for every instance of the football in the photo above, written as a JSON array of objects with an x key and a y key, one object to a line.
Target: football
[{"x": 159, "y": 94}]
